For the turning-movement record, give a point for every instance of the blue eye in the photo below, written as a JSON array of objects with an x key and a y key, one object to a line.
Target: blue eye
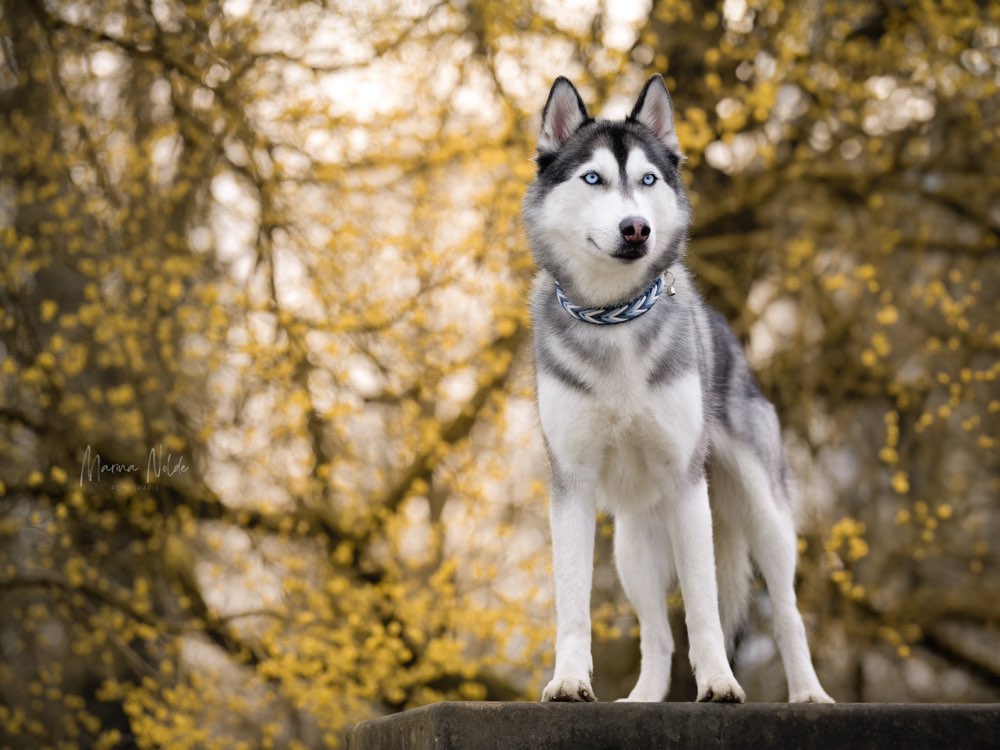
[
  {"x": 592, "y": 178},
  {"x": 649, "y": 178}
]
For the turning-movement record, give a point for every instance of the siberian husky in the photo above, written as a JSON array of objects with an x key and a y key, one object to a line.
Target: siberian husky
[{"x": 645, "y": 400}]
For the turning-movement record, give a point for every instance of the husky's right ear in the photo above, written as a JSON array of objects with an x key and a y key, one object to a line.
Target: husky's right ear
[
  {"x": 654, "y": 110},
  {"x": 563, "y": 114}
]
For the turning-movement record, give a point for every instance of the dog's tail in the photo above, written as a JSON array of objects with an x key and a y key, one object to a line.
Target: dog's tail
[
  {"x": 733, "y": 565},
  {"x": 734, "y": 573}
]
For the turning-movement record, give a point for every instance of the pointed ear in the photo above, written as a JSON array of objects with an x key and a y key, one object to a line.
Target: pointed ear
[
  {"x": 654, "y": 110},
  {"x": 563, "y": 114}
]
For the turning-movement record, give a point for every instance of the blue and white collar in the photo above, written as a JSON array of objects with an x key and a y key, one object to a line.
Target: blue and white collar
[{"x": 620, "y": 313}]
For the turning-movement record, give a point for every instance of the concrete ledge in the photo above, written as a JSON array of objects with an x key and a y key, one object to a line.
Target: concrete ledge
[{"x": 701, "y": 726}]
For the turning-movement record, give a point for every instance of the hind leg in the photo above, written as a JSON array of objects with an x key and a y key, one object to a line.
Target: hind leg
[
  {"x": 774, "y": 550},
  {"x": 642, "y": 557},
  {"x": 771, "y": 535}
]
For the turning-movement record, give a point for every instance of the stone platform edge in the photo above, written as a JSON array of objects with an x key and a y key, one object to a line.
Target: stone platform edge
[{"x": 706, "y": 726}]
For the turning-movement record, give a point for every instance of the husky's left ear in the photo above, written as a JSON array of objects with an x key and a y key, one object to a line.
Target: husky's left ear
[
  {"x": 654, "y": 110},
  {"x": 563, "y": 114}
]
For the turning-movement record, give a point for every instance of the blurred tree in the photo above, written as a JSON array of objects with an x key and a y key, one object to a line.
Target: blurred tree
[
  {"x": 264, "y": 261},
  {"x": 243, "y": 361}
]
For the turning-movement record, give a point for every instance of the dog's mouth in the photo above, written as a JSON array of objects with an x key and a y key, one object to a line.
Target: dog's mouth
[
  {"x": 625, "y": 253},
  {"x": 629, "y": 254}
]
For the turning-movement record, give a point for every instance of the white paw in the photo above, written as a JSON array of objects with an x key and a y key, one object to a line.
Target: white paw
[
  {"x": 641, "y": 698},
  {"x": 572, "y": 689},
  {"x": 644, "y": 695},
  {"x": 722, "y": 689},
  {"x": 816, "y": 695}
]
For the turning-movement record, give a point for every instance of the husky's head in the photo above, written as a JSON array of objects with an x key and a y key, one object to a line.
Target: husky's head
[{"x": 607, "y": 211}]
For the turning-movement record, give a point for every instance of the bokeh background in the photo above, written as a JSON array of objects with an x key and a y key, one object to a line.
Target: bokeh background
[{"x": 269, "y": 459}]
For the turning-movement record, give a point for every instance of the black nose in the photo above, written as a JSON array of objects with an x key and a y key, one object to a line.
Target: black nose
[{"x": 634, "y": 229}]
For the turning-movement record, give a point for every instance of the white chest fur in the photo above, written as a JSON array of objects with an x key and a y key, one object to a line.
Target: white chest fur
[{"x": 631, "y": 439}]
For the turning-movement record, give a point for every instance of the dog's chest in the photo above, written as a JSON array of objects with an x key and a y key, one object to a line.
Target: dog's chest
[
  {"x": 650, "y": 437},
  {"x": 633, "y": 413},
  {"x": 622, "y": 387},
  {"x": 644, "y": 425},
  {"x": 623, "y": 400}
]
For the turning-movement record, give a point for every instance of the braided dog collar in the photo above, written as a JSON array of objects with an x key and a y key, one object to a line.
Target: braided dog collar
[{"x": 621, "y": 313}]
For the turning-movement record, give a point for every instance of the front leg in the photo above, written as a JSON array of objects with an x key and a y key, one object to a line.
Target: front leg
[
  {"x": 690, "y": 521},
  {"x": 573, "y": 518}
]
